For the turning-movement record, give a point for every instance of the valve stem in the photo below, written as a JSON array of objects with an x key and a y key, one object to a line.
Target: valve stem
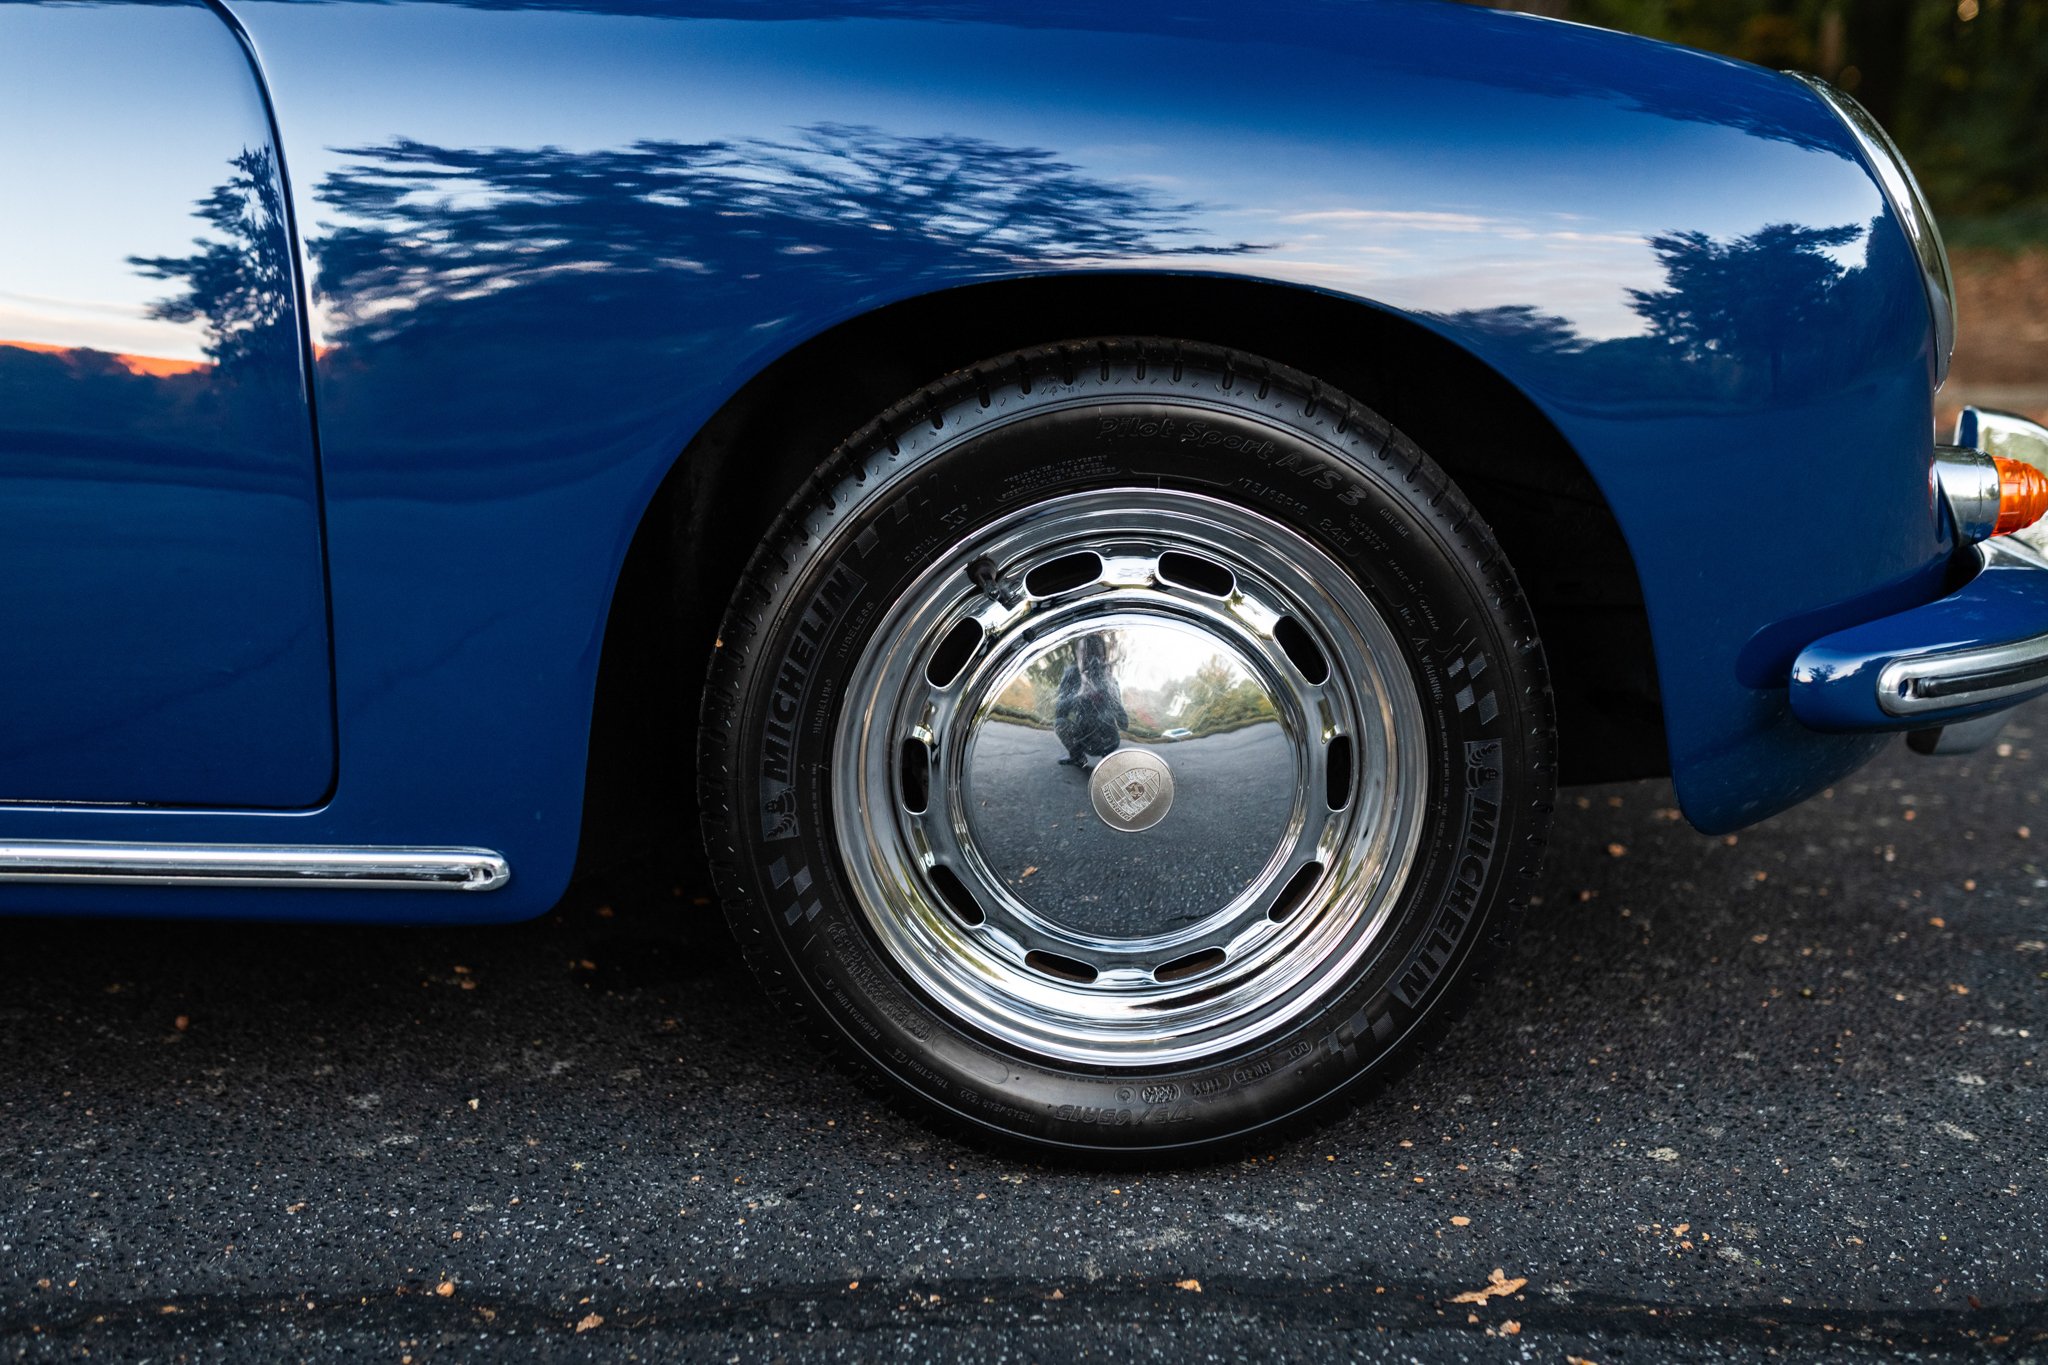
[{"x": 983, "y": 572}]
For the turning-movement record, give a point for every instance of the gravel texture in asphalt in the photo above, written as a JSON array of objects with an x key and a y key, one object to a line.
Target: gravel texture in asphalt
[{"x": 1769, "y": 1094}]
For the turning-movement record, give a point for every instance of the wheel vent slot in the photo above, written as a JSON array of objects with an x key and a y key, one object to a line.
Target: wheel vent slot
[
  {"x": 1296, "y": 892},
  {"x": 1337, "y": 773},
  {"x": 1190, "y": 964},
  {"x": 1064, "y": 574},
  {"x": 955, "y": 894},
  {"x": 1061, "y": 966},
  {"x": 914, "y": 775},
  {"x": 1197, "y": 574},
  {"x": 1302, "y": 648},
  {"x": 953, "y": 653}
]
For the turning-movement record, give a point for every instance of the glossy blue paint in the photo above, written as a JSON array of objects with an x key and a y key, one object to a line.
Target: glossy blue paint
[
  {"x": 545, "y": 243},
  {"x": 1834, "y": 681},
  {"x": 161, "y": 592}
]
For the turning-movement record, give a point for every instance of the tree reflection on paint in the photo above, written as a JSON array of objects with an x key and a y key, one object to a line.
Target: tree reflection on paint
[
  {"x": 238, "y": 283},
  {"x": 1747, "y": 297},
  {"x": 1735, "y": 317},
  {"x": 423, "y": 226}
]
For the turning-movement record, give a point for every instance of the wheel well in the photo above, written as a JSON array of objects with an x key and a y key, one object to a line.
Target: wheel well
[{"x": 746, "y": 463}]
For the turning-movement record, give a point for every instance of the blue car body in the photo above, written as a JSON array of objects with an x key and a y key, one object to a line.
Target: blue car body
[{"x": 380, "y": 328}]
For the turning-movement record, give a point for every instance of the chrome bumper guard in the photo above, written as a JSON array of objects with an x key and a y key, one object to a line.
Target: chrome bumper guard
[
  {"x": 1941, "y": 682},
  {"x": 2006, "y": 673}
]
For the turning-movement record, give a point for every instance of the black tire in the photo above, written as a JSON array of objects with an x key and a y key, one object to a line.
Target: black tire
[{"x": 1143, "y": 414}]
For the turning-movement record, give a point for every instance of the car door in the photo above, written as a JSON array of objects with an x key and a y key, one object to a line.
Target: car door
[{"x": 163, "y": 614}]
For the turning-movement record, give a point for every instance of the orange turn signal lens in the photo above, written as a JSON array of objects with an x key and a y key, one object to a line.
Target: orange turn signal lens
[{"x": 2022, "y": 495}]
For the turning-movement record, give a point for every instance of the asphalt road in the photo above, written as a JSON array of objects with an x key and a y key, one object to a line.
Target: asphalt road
[
  {"x": 1234, "y": 795},
  {"x": 1770, "y": 1095}
]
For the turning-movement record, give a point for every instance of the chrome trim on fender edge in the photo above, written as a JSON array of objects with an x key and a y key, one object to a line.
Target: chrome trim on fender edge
[
  {"x": 265, "y": 865},
  {"x": 1903, "y": 191}
]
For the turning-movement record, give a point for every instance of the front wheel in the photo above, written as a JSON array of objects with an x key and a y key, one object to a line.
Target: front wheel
[{"x": 1125, "y": 745}]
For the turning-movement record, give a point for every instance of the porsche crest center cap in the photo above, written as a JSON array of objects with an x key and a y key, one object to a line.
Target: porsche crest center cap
[{"x": 1131, "y": 789}]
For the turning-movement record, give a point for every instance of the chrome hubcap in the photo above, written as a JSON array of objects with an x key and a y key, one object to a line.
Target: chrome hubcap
[{"x": 1132, "y": 776}]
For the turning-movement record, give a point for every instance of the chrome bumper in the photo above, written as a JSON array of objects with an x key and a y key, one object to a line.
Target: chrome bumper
[
  {"x": 1980, "y": 650},
  {"x": 1940, "y": 682}
]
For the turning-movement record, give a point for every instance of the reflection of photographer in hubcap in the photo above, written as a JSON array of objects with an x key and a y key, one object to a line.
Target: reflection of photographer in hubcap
[{"x": 1088, "y": 713}]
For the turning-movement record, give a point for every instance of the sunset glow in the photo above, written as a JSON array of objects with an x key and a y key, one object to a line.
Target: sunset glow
[{"x": 153, "y": 366}]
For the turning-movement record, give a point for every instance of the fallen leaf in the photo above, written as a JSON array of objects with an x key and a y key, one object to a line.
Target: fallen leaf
[
  {"x": 1497, "y": 1285},
  {"x": 589, "y": 1322},
  {"x": 1510, "y": 1328},
  {"x": 1192, "y": 1286},
  {"x": 1057, "y": 1294},
  {"x": 446, "y": 1289},
  {"x": 1617, "y": 850},
  {"x": 1663, "y": 1154},
  {"x": 1027, "y": 872},
  {"x": 181, "y": 1023},
  {"x": 1459, "y": 1220}
]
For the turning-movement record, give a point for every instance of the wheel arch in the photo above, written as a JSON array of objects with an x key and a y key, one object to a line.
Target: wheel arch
[{"x": 746, "y": 462}]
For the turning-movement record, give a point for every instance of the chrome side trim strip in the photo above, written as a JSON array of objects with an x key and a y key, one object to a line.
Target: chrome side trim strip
[{"x": 395, "y": 869}]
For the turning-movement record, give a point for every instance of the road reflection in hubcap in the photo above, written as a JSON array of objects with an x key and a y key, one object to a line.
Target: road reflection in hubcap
[{"x": 1067, "y": 780}]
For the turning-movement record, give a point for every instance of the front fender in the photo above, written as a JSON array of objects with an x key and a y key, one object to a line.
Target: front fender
[{"x": 544, "y": 243}]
